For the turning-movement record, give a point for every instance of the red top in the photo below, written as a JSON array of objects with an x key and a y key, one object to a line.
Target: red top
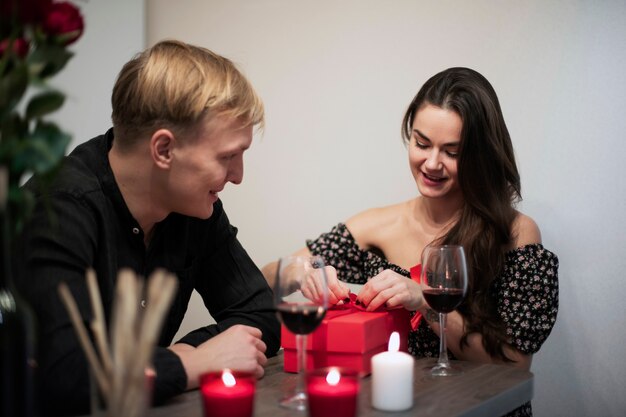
[{"x": 416, "y": 271}]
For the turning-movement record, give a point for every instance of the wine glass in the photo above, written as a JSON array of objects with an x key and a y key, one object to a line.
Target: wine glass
[
  {"x": 301, "y": 300},
  {"x": 444, "y": 284}
]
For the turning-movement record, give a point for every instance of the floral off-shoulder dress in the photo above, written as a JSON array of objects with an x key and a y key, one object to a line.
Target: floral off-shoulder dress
[{"x": 526, "y": 292}]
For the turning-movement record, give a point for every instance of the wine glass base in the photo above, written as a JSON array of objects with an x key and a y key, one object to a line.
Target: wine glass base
[
  {"x": 295, "y": 402},
  {"x": 445, "y": 370}
]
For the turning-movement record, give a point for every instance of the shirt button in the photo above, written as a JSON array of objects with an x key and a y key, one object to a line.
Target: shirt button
[
  {"x": 143, "y": 303},
  {"x": 136, "y": 230}
]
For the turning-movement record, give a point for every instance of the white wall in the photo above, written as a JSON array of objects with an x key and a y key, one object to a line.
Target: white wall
[
  {"x": 114, "y": 32},
  {"x": 336, "y": 77}
]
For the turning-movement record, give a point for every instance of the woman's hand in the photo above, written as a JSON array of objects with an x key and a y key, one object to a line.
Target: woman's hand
[
  {"x": 337, "y": 290},
  {"x": 392, "y": 290}
]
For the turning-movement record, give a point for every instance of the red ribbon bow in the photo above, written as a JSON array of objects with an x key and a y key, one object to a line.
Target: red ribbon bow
[{"x": 350, "y": 303}]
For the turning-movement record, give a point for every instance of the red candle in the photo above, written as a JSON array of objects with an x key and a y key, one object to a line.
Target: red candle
[
  {"x": 228, "y": 394},
  {"x": 332, "y": 392}
]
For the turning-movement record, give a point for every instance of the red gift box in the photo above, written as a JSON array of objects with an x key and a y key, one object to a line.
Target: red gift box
[{"x": 349, "y": 338}]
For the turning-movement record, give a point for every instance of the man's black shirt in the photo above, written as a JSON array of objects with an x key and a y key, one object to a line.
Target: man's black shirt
[{"x": 85, "y": 223}]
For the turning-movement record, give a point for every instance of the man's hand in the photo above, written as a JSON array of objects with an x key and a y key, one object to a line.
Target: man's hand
[{"x": 239, "y": 348}]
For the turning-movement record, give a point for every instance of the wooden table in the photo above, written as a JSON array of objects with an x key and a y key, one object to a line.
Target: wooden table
[{"x": 482, "y": 390}]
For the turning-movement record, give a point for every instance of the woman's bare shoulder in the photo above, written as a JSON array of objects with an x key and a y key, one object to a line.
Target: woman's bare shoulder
[
  {"x": 368, "y": 223},
  {"x": 525, "y": 231}
]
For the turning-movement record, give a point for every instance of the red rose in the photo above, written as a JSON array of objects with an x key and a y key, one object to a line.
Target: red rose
[
  {"x": 20, "y": 47},
  {"x": 22, "y": 12},
  {"x": 64, "y": 21}
]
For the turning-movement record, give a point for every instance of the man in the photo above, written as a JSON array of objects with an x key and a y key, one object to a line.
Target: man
[{"x": 144, "y": 196}]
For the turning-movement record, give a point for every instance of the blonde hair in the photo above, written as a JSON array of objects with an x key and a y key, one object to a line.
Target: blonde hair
[{"x": 175, "y": 85}]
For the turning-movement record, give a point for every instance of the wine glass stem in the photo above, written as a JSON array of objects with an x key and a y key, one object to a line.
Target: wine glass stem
[
  {"x": 301, "y": 352},
  {"x": 443, "y": 348}
]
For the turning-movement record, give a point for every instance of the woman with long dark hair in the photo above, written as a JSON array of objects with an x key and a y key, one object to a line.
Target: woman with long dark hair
[{"x": 462, "y": 159}]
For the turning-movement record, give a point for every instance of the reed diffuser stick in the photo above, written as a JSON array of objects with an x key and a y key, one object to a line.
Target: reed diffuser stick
[
  {"x": 83, "y": 338},
  {"x": 121, "y": 369},
  {"x": 98, "y": 326}
]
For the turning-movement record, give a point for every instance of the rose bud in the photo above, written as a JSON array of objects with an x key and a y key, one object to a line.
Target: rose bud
[
  {"x": 20, "y": 47},
  {"x": 64, "y": 21}
]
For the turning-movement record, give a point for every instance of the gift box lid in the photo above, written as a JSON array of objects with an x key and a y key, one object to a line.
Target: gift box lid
[
  {"x": 358, "y": 332},
  {"x": 354, "y": 331}
]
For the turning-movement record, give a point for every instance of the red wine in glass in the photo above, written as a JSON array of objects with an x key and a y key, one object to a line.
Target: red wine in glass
[
  {"x": 444, "y": 283},
  {"x": 300, "y": 319},
  {"x": 443, "y": 300},
  {"x": 301, "y": 300}
]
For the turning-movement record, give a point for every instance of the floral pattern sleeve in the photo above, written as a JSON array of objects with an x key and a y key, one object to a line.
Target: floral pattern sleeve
[
  {"x": 528, "y": 296},
  {"x": 353, "y": 264}
]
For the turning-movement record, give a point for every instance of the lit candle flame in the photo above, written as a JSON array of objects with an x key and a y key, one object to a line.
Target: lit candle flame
[
  {"x": 228, "y": 379},
  {"x": 394, "y": 342},
  {"x": 333, "y": 377}
]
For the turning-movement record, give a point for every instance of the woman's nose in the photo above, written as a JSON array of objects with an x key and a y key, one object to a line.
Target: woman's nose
[{"x": 433, "y": 162}]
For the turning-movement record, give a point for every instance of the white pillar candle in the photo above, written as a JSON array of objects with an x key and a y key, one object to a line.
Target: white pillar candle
[{"x": 392, "y": 378}]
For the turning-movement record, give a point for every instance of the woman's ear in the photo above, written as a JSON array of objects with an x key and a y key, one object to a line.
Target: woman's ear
[{"x": 161, "y": 146}]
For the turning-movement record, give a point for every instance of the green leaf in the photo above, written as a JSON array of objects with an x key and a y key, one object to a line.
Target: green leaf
[
  {"x": 43, "y": 104},
  {"x": 42, "y": 150},
  {"x": 21, "y": 204},
  {"x": 12, "y": 129},
  {"x": 13, "y": 85},
  {"x": 56, "y": 139},
  {"x": 47, "y": 60}
]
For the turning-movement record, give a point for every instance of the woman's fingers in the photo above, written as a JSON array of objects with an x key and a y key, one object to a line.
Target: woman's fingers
[{"x": 392, "y": 290}]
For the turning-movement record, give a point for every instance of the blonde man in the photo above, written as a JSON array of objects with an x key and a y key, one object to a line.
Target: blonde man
[{"x": 145, "y": 195}]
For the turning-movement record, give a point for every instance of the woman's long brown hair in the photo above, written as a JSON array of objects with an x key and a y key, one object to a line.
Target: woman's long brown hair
[{"x": 490, "y": 183}]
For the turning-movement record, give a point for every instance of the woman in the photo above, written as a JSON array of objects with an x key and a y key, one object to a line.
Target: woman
[{"x": 461, "y": 157}]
